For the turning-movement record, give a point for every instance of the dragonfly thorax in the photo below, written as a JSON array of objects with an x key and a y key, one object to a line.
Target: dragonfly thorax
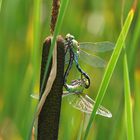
[
  {"x": 75, "y": 46},
  {"x": 72, "y": 43},
  {"x": 76, "y": 86}
]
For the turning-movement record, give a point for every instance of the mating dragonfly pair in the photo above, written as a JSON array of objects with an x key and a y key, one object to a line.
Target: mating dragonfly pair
[{"x": 74, "y": 51}]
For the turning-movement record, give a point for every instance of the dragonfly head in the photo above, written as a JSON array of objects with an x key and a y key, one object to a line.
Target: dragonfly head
[
  {"x": 69, "y": 37},
  {"x": 86, "y": 81}
]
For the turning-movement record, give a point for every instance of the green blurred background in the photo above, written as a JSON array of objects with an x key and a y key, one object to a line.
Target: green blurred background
[{"x": 20, "y": 57}]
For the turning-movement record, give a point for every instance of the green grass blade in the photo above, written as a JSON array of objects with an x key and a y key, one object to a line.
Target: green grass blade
[
  {"x": 128, "y": 103},
  {"x": 61, "y": 14},
  {"x": 36, "y": 44},
  {"x": 137, "y": 104},
  {"x": 133, "y": 44},
  {"x": 110, "y": 68},
  {"x": 36, "y": 35},
  {"x": 0, "y": 4},
  {"x": 79, "y": 136}
]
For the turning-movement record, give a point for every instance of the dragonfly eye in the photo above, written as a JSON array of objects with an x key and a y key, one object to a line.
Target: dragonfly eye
[
  {"x": 86, "y": 83},
  {"x": 66, "y": 39}
]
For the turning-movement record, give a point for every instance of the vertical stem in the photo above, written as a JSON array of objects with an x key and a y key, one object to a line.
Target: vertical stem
[
  {"x": 55, "y": 11},
  {"x": 48, "y": 122}
]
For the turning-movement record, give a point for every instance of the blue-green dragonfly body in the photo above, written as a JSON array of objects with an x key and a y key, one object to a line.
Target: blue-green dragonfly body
[
  {"x": 72, "y": 48},
  {"x": 74, "y": 51},
  {"x": 74, "y": 91}
]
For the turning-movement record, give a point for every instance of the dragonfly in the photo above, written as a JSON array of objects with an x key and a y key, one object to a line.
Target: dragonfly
[
  {"x": 75, "y": 51},
  {"x": 81, "y": 101}
]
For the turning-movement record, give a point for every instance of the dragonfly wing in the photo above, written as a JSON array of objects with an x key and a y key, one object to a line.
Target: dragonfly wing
[
  {"x": 97, "y": 47},
  {"x": 101, "y": 110},
  {"x": 78, "y": 102},
  {"x": 92, "y": 60},
  {"x": 66, "y": 93},
  {"x": 86, "y": 104},
  {"x": 36, "y": 96}
]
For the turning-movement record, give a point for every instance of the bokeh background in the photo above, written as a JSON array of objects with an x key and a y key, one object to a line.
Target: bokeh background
[{"x": 20, "y": 58}]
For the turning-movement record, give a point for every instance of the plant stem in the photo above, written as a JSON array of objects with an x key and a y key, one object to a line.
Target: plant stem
[{"x": 55, "y": 11}]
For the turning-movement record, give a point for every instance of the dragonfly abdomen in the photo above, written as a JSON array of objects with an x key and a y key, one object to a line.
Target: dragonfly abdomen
[{"x": 83, "y": 74}]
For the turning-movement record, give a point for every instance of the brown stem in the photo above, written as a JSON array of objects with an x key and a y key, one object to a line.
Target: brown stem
[{"x": 55, "y": 11}]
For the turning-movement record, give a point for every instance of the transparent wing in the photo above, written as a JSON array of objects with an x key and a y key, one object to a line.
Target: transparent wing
[
  {"x": 101, "y": 110},
  {"x": 86, "y": 104},
  {"x": 97, "y": 47},
  {"x": 92, "y": 60}
]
